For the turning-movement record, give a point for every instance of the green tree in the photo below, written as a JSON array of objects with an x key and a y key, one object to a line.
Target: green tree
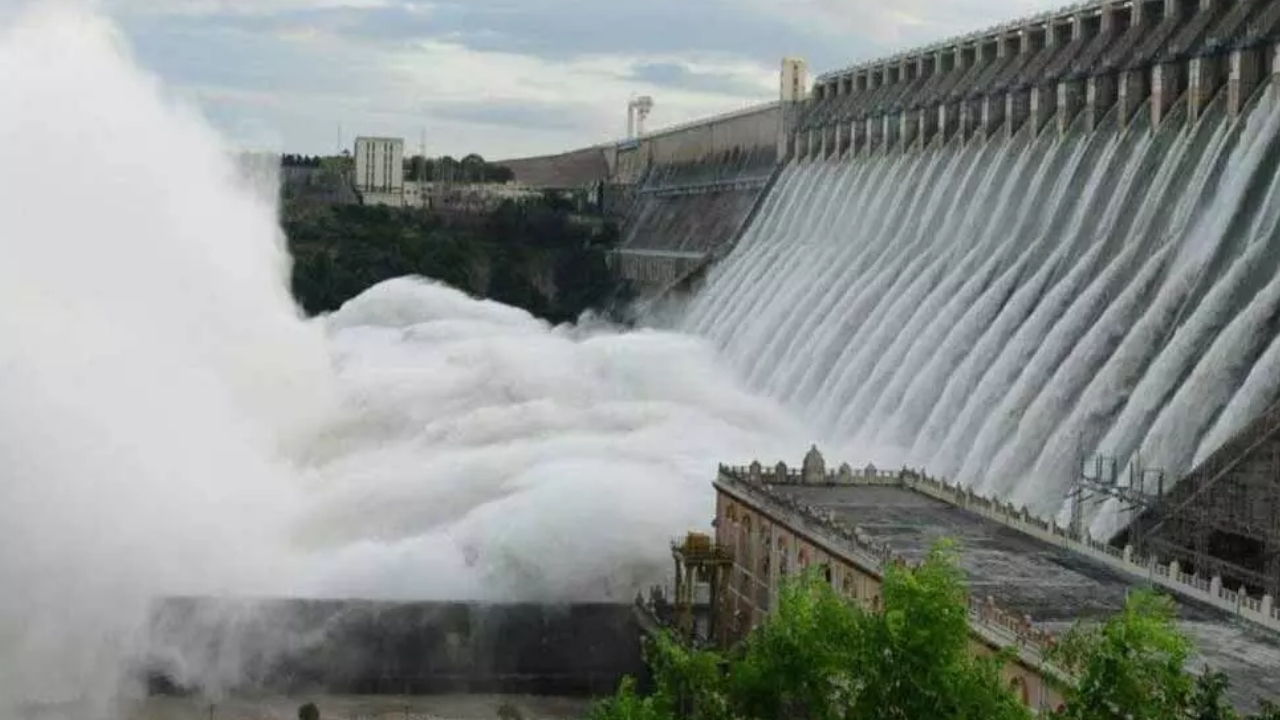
[
  {"x": 628, "y": 704},
  {"x": 807, "y": 660},
  {"x": 818, "y": 657},
  {"x": 1129, "y": 667},
  {"x": 919, "y": 662}
]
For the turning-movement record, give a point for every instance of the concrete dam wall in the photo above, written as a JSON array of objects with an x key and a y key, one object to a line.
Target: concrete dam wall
[
  {"x": 999, "y": 255},
  {"x": 693, "y": 187},
  {"x": 362, "y": 647},
  {"x": 1090, "y": 60}
]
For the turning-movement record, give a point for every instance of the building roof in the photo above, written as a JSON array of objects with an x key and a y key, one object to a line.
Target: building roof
[{"x": 1025, "y": 575}]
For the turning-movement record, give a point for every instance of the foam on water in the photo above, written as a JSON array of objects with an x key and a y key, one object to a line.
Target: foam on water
[{"x": 170, "y": 424}]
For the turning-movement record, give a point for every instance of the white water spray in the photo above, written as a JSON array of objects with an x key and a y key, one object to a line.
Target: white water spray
[{"x": 170, "y": 424}]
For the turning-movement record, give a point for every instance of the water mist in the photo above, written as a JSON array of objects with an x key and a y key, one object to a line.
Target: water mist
[{"x": 171, "y": 425}]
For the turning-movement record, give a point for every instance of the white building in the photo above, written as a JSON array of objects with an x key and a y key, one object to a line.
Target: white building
[
  {"x": 380, "y": 170},
  {"x": 795, "y": 80}
]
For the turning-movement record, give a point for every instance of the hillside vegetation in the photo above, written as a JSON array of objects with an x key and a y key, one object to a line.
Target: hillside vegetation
[{"x": 539, "y": 254}]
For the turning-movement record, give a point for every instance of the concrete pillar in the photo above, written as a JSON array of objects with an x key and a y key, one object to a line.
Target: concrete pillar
[
  {"x": 875, "y": 136},
  {"x": 970, "y": 114},
  {"x": 1044, "y": 103},
  {"x": 1242, "y": 79},
  {"x": 890, "y": 132},
  {"x": 1070, "y": 94},
  {"x": 1017, "y": 107},
  {"x": 1100, "y": 95},
  {"x": 992, "y": 114},
  {"x": 1133, "y": 92},
  {"x": 1070, "y": 101},
  {"x": 1201, "y": 85},
  {"x": 928, "y": 125},
  {"x": 910, "y": 131},
  {"x": 1164, "y": 91}
]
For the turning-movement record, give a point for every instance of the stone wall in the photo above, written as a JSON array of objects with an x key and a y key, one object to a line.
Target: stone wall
[{"x": 366, "y": 648}]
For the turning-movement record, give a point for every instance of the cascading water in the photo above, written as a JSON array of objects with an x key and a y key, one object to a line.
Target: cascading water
[{"x": 996, "y": 311}]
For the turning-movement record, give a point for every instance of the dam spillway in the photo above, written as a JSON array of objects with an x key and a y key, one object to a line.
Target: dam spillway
[{"x": 999, "y": 255}]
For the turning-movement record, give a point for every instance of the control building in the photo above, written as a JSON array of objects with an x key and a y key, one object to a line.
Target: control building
[
  {"x": 1029, "y": 579},
  {"x": 379, "y": 177}
]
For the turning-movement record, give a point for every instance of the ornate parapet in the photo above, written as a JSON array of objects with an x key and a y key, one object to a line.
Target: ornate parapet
[{"x": 757, "y": 479}]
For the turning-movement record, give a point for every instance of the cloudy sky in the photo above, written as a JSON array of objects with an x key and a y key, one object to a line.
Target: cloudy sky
[{"x": 504, "y": 77}]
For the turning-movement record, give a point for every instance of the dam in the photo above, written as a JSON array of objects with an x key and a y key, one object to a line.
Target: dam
[{"x": 1003, "y": 254}]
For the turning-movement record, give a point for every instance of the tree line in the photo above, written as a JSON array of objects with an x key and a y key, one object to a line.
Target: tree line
[
  {"x": 471, "y": 168},
  {"x": 819, "y": 657},
  {"x": 536, "y": 255}
]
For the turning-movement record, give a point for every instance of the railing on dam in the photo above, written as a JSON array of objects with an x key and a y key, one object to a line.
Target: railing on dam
[{"x": 1089, "y": 59}]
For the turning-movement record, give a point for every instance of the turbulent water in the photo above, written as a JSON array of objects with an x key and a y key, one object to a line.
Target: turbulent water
[
  {"x": 996, "y": 312},
  {"x": 170, "y": 424}
]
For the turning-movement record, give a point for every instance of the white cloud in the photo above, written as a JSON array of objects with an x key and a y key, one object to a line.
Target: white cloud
[
  {"x": 237, "y": 7},
  {"x": 502, "y": 77},
  {"x": 899, "y": 24},
  {"x": 399, "y": 90}
]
